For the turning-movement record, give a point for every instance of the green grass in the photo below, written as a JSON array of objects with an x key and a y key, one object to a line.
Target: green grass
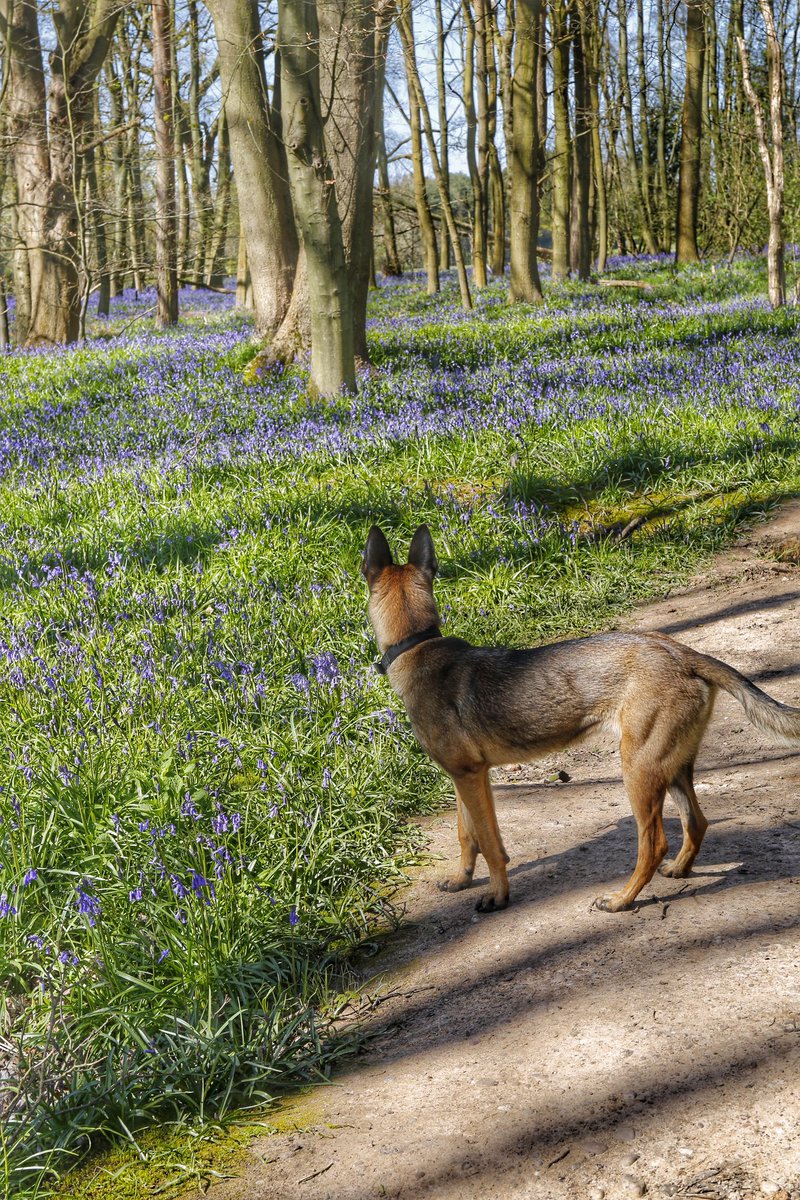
[{"x": 212, "y": 785}]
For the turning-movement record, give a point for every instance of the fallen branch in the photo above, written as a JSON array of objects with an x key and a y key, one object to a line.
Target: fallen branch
[{"x": 629, "y": 283}]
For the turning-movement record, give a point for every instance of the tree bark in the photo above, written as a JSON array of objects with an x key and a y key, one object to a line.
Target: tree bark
[
  {"x": 391, "y": 259},
  {"x": 524, "y": 155},
  {"x": 47, "y": 121},
  {"x": 444, "y": 132},
  {"x": 562, "y": 161},
  {"x": 349, "y": 72},
  {"x": 315, "y": 203},
  {"x": 259, "y": 161},
  {"x": 630, "y": 136},
  {"x": 406, "y": 30},
  {"x": 583, "y": 143},
  {"x": 772, "y": 160},
  {"x": 473, "y": 155},
  {"x": 691, "y": 135},
  {"x": 166, "y": 223}
]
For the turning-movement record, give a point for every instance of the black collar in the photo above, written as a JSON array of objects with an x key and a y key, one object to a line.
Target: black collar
[{"x": 393, "y": 652}]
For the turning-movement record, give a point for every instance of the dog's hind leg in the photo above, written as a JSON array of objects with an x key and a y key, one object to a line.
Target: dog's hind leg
[
  {"x": 646, "y": 790},
  {"x": 469, "y": 852},
  {"x": 694, "y": 823},
  {"x": 474, "y": 794}
]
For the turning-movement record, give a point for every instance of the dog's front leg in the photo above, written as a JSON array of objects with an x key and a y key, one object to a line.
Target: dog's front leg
[
  {"x": 469, "y": 852},
  {"x": 478, "y": 824}
]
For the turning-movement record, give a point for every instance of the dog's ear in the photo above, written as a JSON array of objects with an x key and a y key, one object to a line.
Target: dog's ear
[
  {"x": 421, "y": 553},
  {"x": 377, "y": 554}
]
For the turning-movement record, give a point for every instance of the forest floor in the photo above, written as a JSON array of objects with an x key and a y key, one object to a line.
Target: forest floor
[{"x": 553, "y": 1050}]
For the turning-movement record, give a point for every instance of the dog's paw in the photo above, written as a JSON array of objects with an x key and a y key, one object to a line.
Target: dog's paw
[
  {"x": 611, "y": 904},
  {"x": 489, "y": 903},
  {"x": 455, "y": 883},
  {"x": 672, "y": 870}
]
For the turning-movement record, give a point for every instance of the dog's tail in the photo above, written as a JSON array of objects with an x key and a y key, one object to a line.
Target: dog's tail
[{"x": 768, "y": 715}]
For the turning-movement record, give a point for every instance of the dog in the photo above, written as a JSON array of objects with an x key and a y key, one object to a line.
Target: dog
[{"x": 474, "y": 707}]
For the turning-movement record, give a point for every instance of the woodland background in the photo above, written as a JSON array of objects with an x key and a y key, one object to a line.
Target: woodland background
[{"x": 309, "y": 144}]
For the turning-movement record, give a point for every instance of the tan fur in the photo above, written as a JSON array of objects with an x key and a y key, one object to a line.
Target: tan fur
[{"x": 473, "y": 708}]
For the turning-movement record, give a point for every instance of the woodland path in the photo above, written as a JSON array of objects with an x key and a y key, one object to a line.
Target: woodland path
[{"x": 556, "y": 1051}]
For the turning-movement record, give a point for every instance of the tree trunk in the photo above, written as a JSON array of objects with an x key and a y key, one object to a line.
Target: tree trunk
[
  {"x": 217, "y": 261},
  {"x": 473, "y": 158},
  {"x": 583, "y": 143},
  {"x": 562, "y": 161},
  {"x": 523, "y": 154},
  {"x": 497, "y": 197},
  {"x": 630, "y": 136},
  {"x": 691, "y": 133},
  {"x": 406, "y": 30},
  {"x": 166, "y": 225},
  {"x": 444, "y": 133},
  {"x": 772, "y": 161},
  {"x": 391, "y": 259},
  {"x": 315, "y": 203},
  {"x": 426, "y": 227},
  {"x": 244, "y": 286},
  {"x": 349, "y": 72},
  {"x": 47, "y": 122},
  {"x": 589, "y": 19},
  {"x": 259, "y": 161}
]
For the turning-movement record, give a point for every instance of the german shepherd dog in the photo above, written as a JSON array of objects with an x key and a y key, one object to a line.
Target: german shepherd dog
[{"x": 476, "y": 707}]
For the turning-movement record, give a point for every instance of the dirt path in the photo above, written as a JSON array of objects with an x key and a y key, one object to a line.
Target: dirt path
[{"x": 556, "y": 1051}]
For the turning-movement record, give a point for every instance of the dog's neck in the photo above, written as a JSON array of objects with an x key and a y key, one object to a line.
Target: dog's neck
[{"x": 415, "y": 639}]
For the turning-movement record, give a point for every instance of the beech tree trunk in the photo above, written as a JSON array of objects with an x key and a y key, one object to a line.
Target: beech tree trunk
[
  {"x": 47, "y": 120},
  {"x": 562, "y": 161},
  {"x": 524, "y": 155},
  {"x": 691, "y": 135},
  {"x": 166, "y": 222},
  {"x": 772, "y": 158},
  {"x": 476, "y": 174},
  {"x": 583, "y": 145},
  {"x": 349, "y": 72},
  {"x": 315, "y": 202},
  {"x": 259, "y": 161}
]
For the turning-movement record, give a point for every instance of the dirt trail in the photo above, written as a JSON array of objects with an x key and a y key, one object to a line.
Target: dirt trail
[{"x": 556, "y": 1051}]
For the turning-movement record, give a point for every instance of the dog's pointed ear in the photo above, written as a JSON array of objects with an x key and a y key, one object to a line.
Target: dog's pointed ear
[
  {"x": 421, "y": 553},
  {"x": 377, "y": 554}
]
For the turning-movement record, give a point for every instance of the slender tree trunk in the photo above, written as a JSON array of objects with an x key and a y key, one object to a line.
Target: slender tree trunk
[
  {"x": 444, "y": 132},
  {"x": 259, "y": 161},
  {"x": 216, "y": 262},
  {"x": 589, "y": 20},
  {"x": 349, "y": 72},
  {"x": 391, "y": 259},
  {"x": 772, "y": 161},
  {"x": 166, "y": 225},
  {"x": 244, "y": 286},
  {"x": 496, "y": 193},
  {"x": 630, "y": 136},
  {"x": 691, "y": 134},
  {"x": 406, "y": 30},
  {"x": 315, "y": 202},
  {"x": 662, "y": 189},
  {"x": 471, "y": 117},
  {"x": 426, "y": 226},
  {"x": 583, "y": 143},
  {"x": 562, "y": 161},
  {"x": 119, "y": 172},
  {"x": 523, "y": 152}
]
